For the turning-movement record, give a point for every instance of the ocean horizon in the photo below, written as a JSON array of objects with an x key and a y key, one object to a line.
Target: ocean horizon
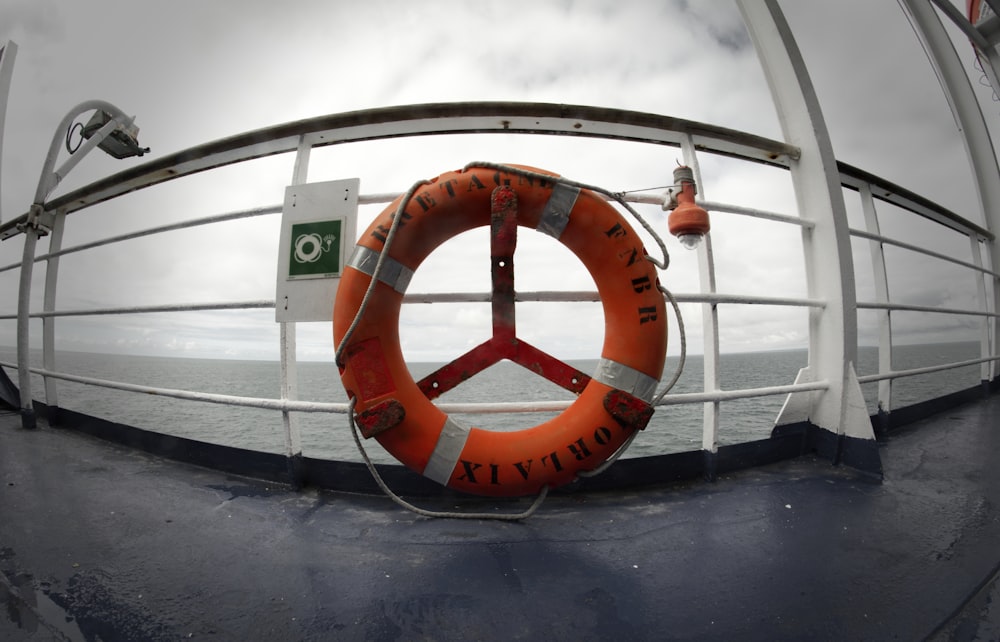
[{"x": 673, "y": 428}]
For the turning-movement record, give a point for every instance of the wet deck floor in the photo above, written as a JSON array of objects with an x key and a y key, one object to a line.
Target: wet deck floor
[{"x": 101, "y": 542}]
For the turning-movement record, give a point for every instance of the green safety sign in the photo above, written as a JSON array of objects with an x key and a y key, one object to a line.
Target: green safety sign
[{"x": 315, "y": 249}]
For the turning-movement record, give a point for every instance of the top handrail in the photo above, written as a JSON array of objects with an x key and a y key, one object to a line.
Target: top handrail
[
  {"x": 884, "y": 190},
  {"x": 423, "y": 120},
  {"x": 479, "y": 117}
]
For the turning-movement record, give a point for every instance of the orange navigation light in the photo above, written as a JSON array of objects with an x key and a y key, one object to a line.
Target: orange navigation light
[{"x": 688, "y": 221}]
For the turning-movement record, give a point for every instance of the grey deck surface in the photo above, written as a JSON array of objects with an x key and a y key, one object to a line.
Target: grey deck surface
[{"x": 101, "y": 542}]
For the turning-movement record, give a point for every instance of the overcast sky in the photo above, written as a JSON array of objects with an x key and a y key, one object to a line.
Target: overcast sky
[{"x": 194, "y": 71}]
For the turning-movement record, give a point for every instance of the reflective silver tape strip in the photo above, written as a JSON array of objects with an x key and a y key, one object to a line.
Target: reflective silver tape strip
[
  {"x": 450, "y": 444},
  {"x": 393, "y": 273},
  {"x": 627, "y": 379},
  {"x": 555, "y": 216}
]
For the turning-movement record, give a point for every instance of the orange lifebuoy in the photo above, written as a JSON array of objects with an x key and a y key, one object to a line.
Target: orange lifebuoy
[{"x": 613, "y": 402}]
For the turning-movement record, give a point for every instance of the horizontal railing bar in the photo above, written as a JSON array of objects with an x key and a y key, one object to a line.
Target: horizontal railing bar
[
  {"x": 285, "y": 405},
  {"x": 668, "y": 400},
  {"x": 172, "y": 227},
  {"x": 869, "y": 305},
  {"x": 854, "y": 178},
  {"x": 208, "y": 397},
  {"x": 568, "y": 296},
  {"x": 12, "y": 266},
  {"x": 146, "y": 309},
  {"x": 916, "y": 248},
  {"x": 895, "y": 374},
  {"x": 208, "y": 220},
  {"x": 423, "y": 120},
  {"x": 747, "y": 393},
  {"x": 714, "y": 206},
  {"x": 371, "y": 199},
  {"x": 388, "y": 197},
  {"x": 435, "y": 297},
  {"x": 749, "y": 300},
  {"x": 587, "y": 296},
  {"x": 294, "y": 405}
]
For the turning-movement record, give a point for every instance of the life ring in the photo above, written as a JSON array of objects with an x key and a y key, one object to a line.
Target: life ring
[{"x": 613, "y": 402}]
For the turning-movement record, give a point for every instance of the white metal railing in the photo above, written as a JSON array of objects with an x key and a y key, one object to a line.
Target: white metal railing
[
  {"x": 50, "y": 374},
  {"x": 713, "y": 206},
  {"x": 292, "y": 405},
  {"x": 868, "y": 187},
  {"x": 814, "y": 175},
  {"x": 912, "y": 372},
  {"x": 712, "y": 395}
]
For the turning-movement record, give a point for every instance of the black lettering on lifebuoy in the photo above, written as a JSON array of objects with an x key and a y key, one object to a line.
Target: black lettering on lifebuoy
[
  {"x": 602, "y": 435},
  {"x": 579, "y": 450},
  {"x": 470, "y": 471},
  {"x": 449, "y": 186},
  {"x": 495, "y": 474},
  {"x": 616, "y": 231},
  {"x": 475, "y": 182},
  {"x": 425, "y": 200},
  {"x": 647, "y": 314},
  {"x": 632, "y": 255},
  {"x": 521, "y": 468},
  {"x": 641, "y": 284},
  {"x": 381, "y": 232},
  {"x": 554, "y": 458}
]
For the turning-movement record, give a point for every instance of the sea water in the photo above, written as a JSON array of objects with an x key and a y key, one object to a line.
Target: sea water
[{"x": 673, "y": 428}]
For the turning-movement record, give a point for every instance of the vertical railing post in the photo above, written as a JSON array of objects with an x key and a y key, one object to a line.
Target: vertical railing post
[
  {"x": 990, "y": 341},
  {"x": 49, "y": 322},
  {"x": 28, "y": 420},
  {"x": 709, "y": 324},
  {"x": 844, "y": 428},
  {"x": 289, "y": 365},
  {"x": 986, "y": 369},
  {"x": 881, "y": 279},
  {"x": 975, "y": 134},
  {"x": 8, "y": 52}
]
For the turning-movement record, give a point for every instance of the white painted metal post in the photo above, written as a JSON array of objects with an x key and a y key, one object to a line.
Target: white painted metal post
[
  {"x": 709, "y": 324},
  {"x": 289, "y": 366},
  {"x": 49, "y": 305},
  {"x": 881, "y": 296},
  {"x": 28, "y": 420},
  {"x": 840, "y": 409},
  {"x": 969, "y": 117},
  {"x": 39, "y": 222},
  {"x": 7, "y": 55},
  {"x": 986, "y": 369},
  {"x": 289, "y": 390},
  {"x": 991, "y": 341}
]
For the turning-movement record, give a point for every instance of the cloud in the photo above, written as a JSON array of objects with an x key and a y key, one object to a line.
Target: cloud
[{"x": 195, "y": 71}]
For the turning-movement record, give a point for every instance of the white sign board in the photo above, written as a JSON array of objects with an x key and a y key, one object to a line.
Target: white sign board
[{"x": 318, "y": 230}]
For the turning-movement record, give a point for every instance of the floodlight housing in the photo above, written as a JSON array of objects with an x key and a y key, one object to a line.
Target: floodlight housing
[{"x": 121, "y": 143}]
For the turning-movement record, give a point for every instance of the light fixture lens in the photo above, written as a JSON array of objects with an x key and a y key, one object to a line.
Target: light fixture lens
[{"x": 689, "y": 241}]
